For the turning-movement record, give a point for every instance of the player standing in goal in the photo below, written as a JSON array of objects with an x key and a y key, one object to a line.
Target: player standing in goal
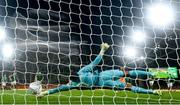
[
  {"x": 13, "y": 78},
  {"x": 4, "y": 81},
  {"x": 108, "y": 78}
]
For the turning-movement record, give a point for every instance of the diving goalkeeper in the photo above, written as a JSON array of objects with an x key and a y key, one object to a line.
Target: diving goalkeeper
[{"x": 108, "y": 78}]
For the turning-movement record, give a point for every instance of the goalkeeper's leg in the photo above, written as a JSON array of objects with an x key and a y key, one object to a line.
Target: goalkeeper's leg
[
  {"x": 120, "y": 85},
  {"x": 137, "y": 89},
  {"x": 140, "y": 74}
]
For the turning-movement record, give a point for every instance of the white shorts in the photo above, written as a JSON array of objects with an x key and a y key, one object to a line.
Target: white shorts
[
  {"x": 170, "y": 85},
  {"x": 3, "y": 84},
  {"x": 13, "y": 83}
]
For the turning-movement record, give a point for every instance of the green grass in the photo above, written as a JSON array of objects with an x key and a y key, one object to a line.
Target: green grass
[{"x": 88, "y": 97}]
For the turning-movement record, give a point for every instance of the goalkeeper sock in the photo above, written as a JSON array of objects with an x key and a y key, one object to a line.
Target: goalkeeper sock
[{"x": 141, "y": 90}]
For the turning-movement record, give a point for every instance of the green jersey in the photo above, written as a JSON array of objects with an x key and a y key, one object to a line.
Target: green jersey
[
  {"x": 4, "y": 78},
  {"x": 13, "y": 77},
  {"x": 39, "y": 77}
]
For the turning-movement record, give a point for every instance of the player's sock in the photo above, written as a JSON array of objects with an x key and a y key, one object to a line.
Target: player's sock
[
  {"x": 141, "y": 90},
  {"x": 139, "y": 73}
]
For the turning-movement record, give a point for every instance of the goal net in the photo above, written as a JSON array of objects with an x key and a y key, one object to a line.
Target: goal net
[{"x": 56, "y": 38}]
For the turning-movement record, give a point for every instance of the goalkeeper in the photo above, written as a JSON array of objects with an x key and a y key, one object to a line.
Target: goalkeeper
[{"x": 109, "y": 78}]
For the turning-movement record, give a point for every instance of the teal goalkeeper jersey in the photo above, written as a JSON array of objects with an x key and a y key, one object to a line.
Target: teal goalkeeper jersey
[{"x": 89, "y": 79}]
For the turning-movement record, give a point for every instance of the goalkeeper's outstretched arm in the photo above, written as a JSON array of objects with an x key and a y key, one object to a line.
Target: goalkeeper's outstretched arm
[
  {"x": 65, "y": 87},
  {"x": 90, "y": 67}
]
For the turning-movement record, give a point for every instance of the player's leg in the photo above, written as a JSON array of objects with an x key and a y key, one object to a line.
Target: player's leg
[
  {"x": 140, "y": 73},
  {"x": 120, "y": 85},
  {"x": 137, "y": 89},
  {"x": 90, "y": 67},
  {"x": 13, "y": 84},
  {"x": 111, "y": 74},
  {"x": 3, "y": 85}
]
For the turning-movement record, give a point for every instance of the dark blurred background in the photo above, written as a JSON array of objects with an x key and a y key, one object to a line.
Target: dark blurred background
[{"x": 58, "y": 37}]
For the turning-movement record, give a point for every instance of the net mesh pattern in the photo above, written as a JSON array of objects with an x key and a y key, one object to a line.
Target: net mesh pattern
[{"x": 59, "y": 37}]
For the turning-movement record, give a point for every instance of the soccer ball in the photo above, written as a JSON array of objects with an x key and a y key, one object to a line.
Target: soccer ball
[{"x": 35, "y": 87}]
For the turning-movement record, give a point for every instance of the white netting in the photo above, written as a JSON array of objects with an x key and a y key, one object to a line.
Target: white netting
[{"x": 58, "y": 37}]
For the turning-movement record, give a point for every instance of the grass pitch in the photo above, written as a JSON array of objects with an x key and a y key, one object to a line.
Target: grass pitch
[{"x": 89, "y": 97}]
